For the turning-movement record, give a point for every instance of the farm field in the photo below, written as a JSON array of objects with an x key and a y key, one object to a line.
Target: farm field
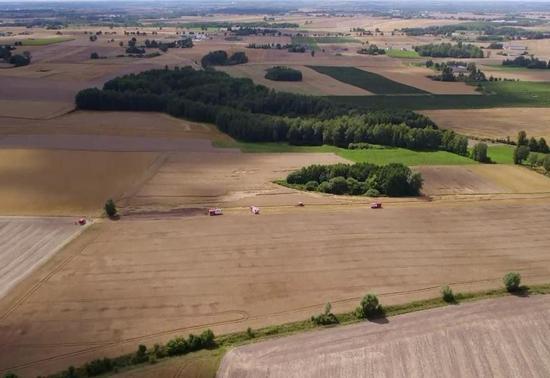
[
  {"x": 373, "y": 155},
  {"x": 313, "y": 82},
  {"x": 44, "y": 41},
  {"x": 406, "y": 54},
  {"x": 366, "y": 80},
  {"x": 417, "y": 77},
  {"x": 163, "y": 268},
  {"x": 498, "y": 94},
  {"x": 260, "y": 276},
  {"x": 414, "y": 344},
  {"x": 38, "y": 238},
  {"x": 494, "y": 123},
  {"x": 481, "y": 179},
  {"x": 47, "y": 182}
]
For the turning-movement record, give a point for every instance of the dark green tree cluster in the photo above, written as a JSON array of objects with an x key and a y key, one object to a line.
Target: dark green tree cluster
[
  {"x": 17, "y": 60},
  {"x": 528, "y": 147},
  {"x": 371, "y": 50},
  {"x": 489, "y": 30},
  {"x": 394, "y": 180},
  {"x": 282, "y": 73},
  {"x": 251, "y": 112},
  {"x": 369, "y": 307},
  {"x": 472, "y": 74},
  {"x": 527, "y": 62},
  {"x": 374, "y": 129},
  {"x": 297, "y": 49},
  {"x": 220, "y": 58},
  {"x": 479, "y": 153},
  {"x": 448, "y": 50}
]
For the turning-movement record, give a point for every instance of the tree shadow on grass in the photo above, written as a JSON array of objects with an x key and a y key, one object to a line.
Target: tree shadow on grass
[{"x": 522, "y": 292}]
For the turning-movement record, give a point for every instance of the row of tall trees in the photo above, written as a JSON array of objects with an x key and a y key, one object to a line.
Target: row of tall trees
[
  {"x": 448, "y": 50},
  {"x": 527, "y": 62}
]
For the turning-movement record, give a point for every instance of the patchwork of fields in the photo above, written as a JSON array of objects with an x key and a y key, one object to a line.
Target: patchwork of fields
[{"x": 70, "y": 294}]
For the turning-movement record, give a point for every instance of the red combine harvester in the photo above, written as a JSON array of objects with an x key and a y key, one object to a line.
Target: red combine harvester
[
  {"x": 215, "y": 211},
  {"x": 376, "y": 205}
]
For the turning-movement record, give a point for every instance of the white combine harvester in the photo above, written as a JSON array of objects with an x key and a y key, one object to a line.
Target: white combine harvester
[{"x": 255, "y": 210}]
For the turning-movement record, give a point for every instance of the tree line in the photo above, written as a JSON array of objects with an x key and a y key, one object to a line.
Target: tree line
[
  {"x": 448, "y": 50},
  {"x": 527, "y": 62},
  {"x": 394, "y": 180},
  {"x": 254, "y": 113}
]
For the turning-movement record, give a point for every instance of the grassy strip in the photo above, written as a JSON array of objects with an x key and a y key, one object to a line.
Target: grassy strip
[
  {"x": 205, "y": 363},
  {"x": 367, "y": 80},
  {"x": 379, "y": 156},
  {"x": 45, "y": 41},
  {"x": 495, "y": 94},
  {"x": 404, "y": 54}
]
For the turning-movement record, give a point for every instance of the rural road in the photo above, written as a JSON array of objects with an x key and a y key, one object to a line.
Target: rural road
[{"x": 506, "y": 337}]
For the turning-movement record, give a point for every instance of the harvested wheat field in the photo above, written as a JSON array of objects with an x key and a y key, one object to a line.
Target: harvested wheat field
[
  {"x": 128, "y": 124},
  {"x": 43, "y": 182},
  {"x": 494, "y": 123},
  {"x": 225, "y": 176},
  {"x": 505, "y": 337},
  {"x": 482, "y": 179},
  {"x": 143, "y": 281},
  {"x": 313, "y": 83},
  {"x": 27, "y": 243}
]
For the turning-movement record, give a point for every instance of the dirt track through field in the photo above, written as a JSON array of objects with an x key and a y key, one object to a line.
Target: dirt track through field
[
  {"x": 505, "y": 337},
  {"x": 147, "y": 280}
]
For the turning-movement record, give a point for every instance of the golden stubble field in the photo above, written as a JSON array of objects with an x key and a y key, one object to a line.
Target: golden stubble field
[
  {"x": 146, "y": 280},
  {"x": 494, "y": 123}
]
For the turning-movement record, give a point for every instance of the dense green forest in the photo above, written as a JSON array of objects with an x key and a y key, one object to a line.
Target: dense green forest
[
  {"x": 448, "y": 50},
  {"x": 254, "y": 113},
  {"x": 220, "y": 58},
  {"x": 281, "y": 73},
  {"x": 358, "y": 179},
  {"x": 527, "y": 62},
  {"x": 488, "y": 30}
]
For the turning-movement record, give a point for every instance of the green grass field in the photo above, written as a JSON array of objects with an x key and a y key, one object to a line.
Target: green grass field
[
  {"x": 312, "y": 42},
  {"x": 45, "y": 41},
  {"x": 367, "y": 80},
  {"x": 396, "y": 53},
  {"x": 305, "y": 41},
  {"x": 375, "y": 156},
  {"x": 501, "y": 154},
  {"x": 495, "y": 94}
]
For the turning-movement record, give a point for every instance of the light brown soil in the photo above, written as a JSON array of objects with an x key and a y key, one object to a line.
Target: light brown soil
[
  {"x": 481, "y": 179},
  {"x": 225, "y": 177},
  {"x": 504, "y": 337},
  {"x": 494, "y": 123},
  {"x": 43, "y": 182},
  {"x": 129, "y": 124},
  {"x": 27, "y": 243},
  {"x": 143, "y": 281},
  {"x": 445, "y": 180},
  {"x": 313, "y": 82}
]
